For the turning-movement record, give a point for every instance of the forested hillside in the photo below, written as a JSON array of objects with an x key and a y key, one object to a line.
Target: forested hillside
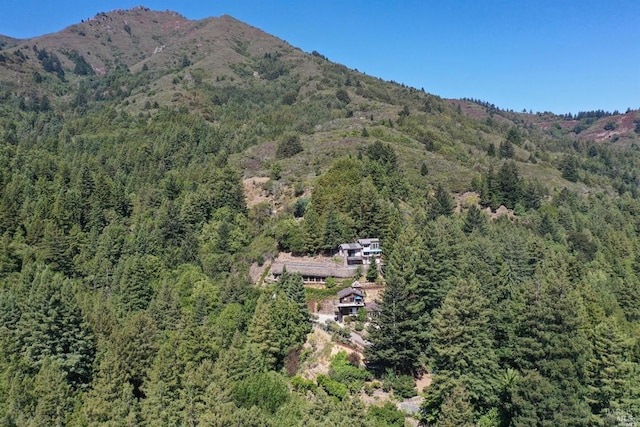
[{"x": 128, "y": 238}]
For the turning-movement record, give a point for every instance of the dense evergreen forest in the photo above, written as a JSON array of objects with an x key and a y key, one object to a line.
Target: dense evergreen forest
[{"x": 128, "y": 239}]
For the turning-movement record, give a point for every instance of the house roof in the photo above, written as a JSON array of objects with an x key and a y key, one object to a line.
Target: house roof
[
  {"x": 371, "y": 306},
  {"x": 350, "y": 246},
  {"x": 368, "y": 241},
  {"x": 313, "y": 269},
  {"x": 348, "y": 291}
]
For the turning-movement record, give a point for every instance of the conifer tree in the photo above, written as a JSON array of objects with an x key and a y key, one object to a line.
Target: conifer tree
[
  {"x": 474, "y": 220},
  {"x": 510, "y": 184},
  {"x": 262, "y": 333},
  {"x": 162, "y": 404},
  {"x": 135, "y": 287},
  {"x": 456, "y": 410},
  {"x": 291, "y": 325},
  {"x": 397, "y": 334},
  {"x": 442, "y": 203},
  {"x": 132, "y": 347},
  {"x": 293, "y": 286},
  {"x": 551, "y": 351},
  {"x": 611, "y": 381},
  {"x": 111, "y": 400},
  {"x": 52, "y": 326},
  {"x": 439, "y": 262},
  {"x": 463, "y": 350},
  {"x": 372, "y": 271},
  {"x": 312, "y": 226},
  {"x": 332, "y": 234},
  {"x": 53, "y": 396}
]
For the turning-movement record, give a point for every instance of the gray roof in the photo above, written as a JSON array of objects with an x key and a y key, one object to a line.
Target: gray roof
[
  {"x": 311, "y": 269},
  {"x": 348, "y": 291},
  {"x": 372, "y": 306},
  {"x": 368, "y": 241},
  {"x": 350, "y": 246}
]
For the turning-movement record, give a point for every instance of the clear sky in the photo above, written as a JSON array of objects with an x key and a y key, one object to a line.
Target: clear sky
[{"x": 544, "y": 55}]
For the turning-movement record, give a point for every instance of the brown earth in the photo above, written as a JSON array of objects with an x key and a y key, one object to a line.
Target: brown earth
[{"x": 254, "y": 193}]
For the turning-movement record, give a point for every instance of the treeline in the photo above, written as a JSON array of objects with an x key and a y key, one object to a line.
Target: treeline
[
  {"x": 526, "y": 322},
  {"x": 124, "y": 294},
  {"x": 357, "y": 198}
]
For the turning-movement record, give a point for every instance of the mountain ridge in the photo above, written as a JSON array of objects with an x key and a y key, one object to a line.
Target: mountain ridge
[{"x": 204, "y": 64}]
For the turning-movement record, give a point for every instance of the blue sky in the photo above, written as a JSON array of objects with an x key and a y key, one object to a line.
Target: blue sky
[{"x": 544, "y": 55}]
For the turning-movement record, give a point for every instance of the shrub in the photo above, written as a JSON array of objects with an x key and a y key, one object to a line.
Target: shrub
[
  {"x": 357, "y": 274},
  {"x": 298, "y": 189},
  {"x": 289, "y": 146},
  {"x": 276, "y": 172},
  {"x": 387, "y": 415},
  {"x": 333, "y": 388},
  {"x": 343, "y": 371},
  {"x": 354, "y": 359},
  {"x": 404, "y": 386},
  {"x": 267, "y": 391},
  {"x": 368, "y": 389},
  {"x": 302, "y": 384},
  {"x": 372, "y": 272},
  {"x": 343, "y": 96},
  {"x": 300, "y": 207}
]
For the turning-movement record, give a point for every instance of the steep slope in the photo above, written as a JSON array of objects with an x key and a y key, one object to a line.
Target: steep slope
[
  {"x": 149, "y": 164},
  {"x": 140, "y": 61}
]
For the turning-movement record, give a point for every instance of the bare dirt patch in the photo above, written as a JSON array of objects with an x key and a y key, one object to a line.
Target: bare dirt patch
[
  {"x": 323, "y": 348},
  {"x": 423, "y": 381},
  {"x": 253, "y": 191}
]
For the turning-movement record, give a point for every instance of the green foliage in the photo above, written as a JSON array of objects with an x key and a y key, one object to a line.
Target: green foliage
[
  {"x": 82, "y": 67},
  {"x": 341, "y": 370},
  {"x": 52, "y": 328},
  {"x": 456, "y": 410},
  {"x": 508, "y": 188},
  {"x": 442, "y": 203},
  {"x": 506, "y": 150},
  {"x": 343, "y": 96},
  {"x": 332, "y": 387},
  {"x": 402, "y": 385},
  {"x": 289, "y": 146},
  {"x": 475, "y": 220},
  {"x": 570, "y": 169},
  {"x": 279, "y": 324},
  {"x": 268, "y": 391},
  {"x": 372, "y": 272},
  {"x": 275, "y": 173},
  {"x": 300, "y": 207},
  {"x": 463, "y": 353},
  {"x": 396, "y": 344},
  {"x": 126, "y": 245},
  {"x": 386, "y": 415},
  {"x": 301, "y": 384}
]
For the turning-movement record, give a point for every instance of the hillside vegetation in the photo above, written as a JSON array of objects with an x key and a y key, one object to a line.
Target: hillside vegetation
[{"x": 127, "y": 239}]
